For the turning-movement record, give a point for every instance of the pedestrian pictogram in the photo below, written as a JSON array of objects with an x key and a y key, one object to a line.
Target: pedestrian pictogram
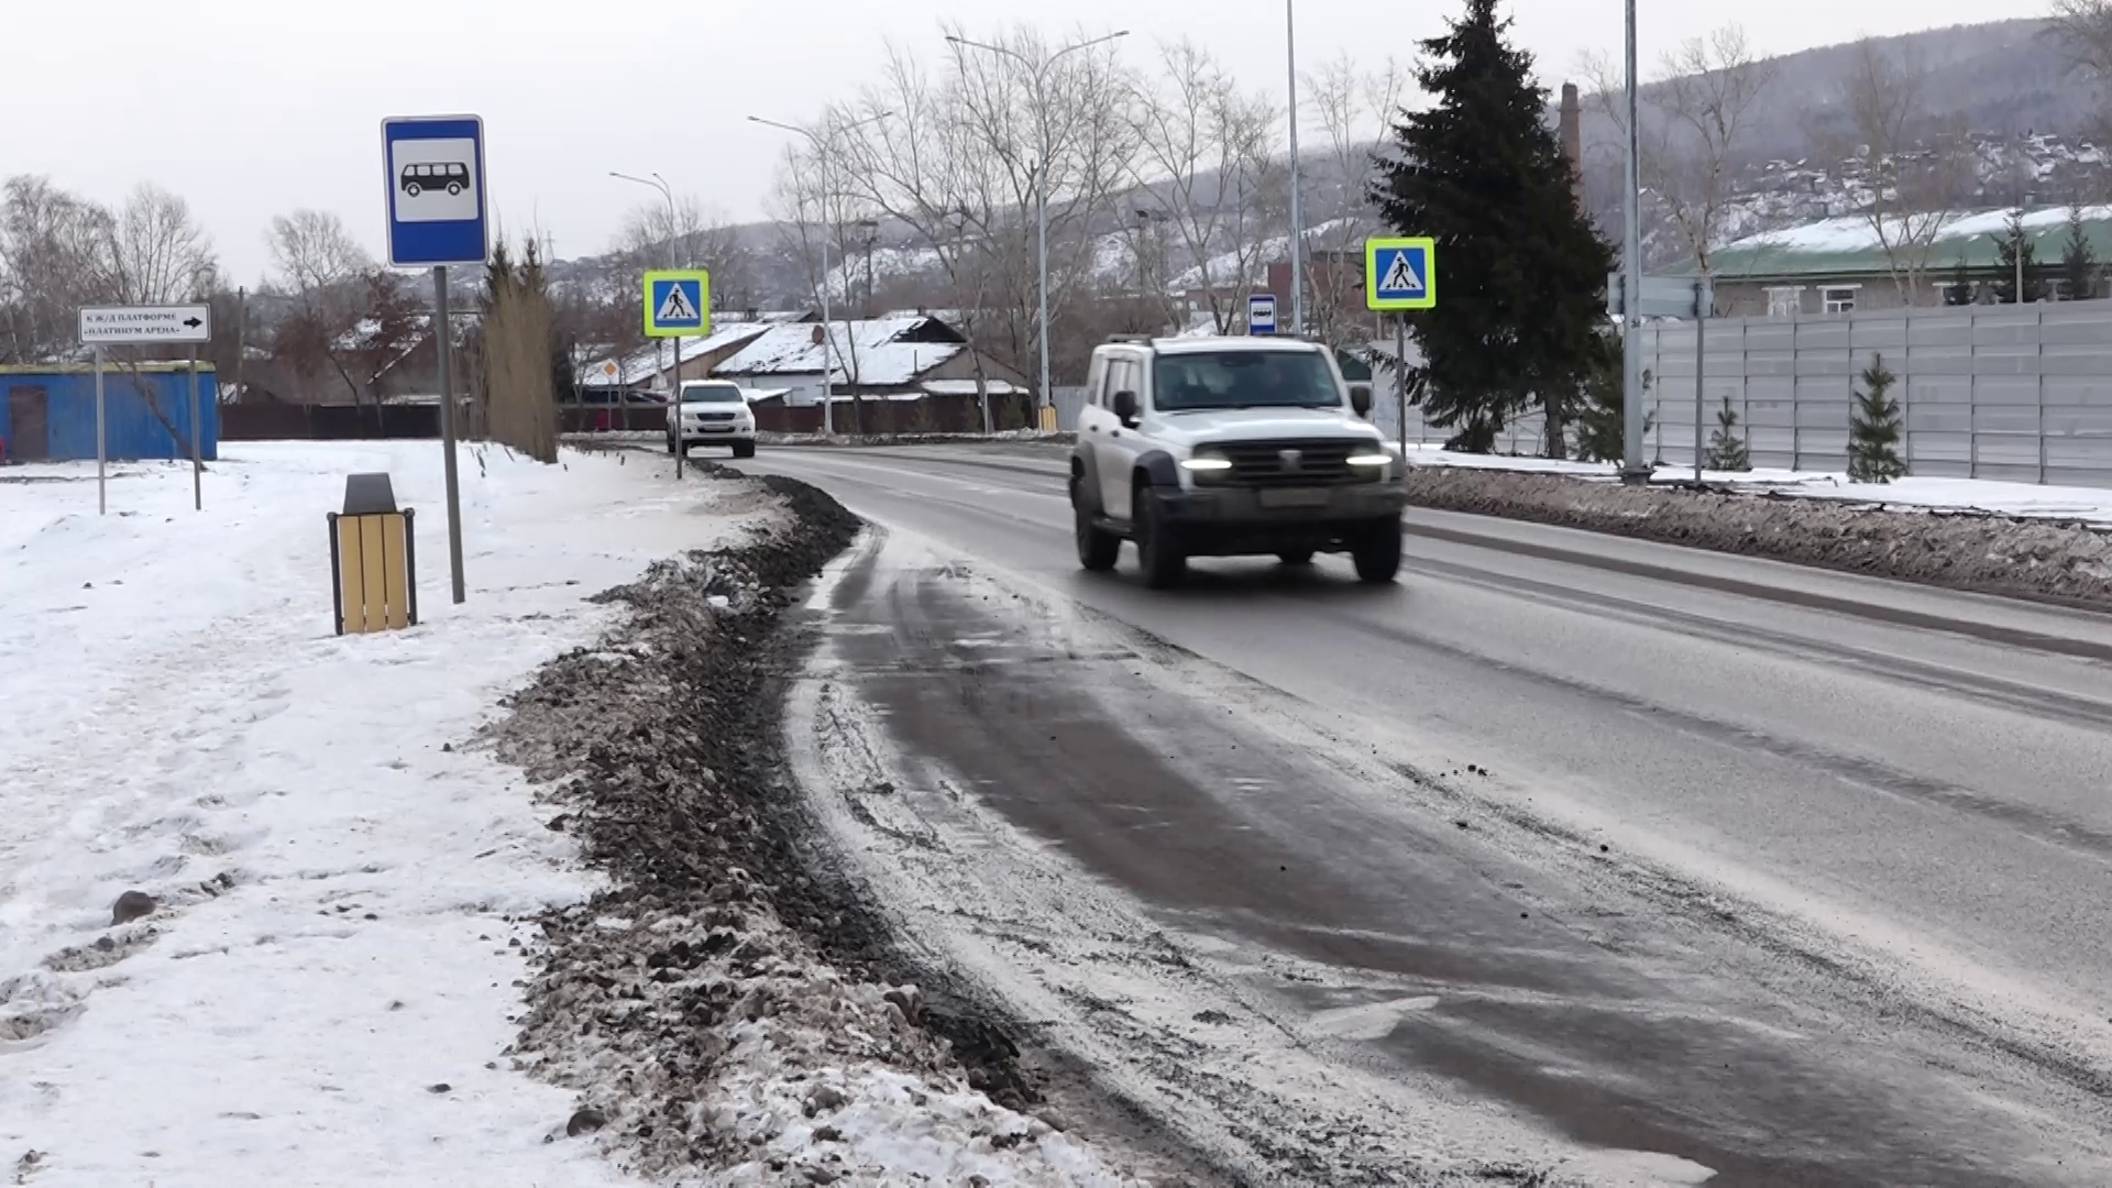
[
  {"x": 1400, "y": 274},
  {"x": 676, "y": 307}
]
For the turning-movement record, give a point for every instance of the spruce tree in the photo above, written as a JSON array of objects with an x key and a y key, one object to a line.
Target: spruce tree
[
  {"x": 2015, "y": 242},
  {"x": 1960, "y": 291},
  {"x": 1726, "y": 449},
  {"x": 1873, "y": 428},
  {"x": 2079, "y": 259},
  {"x": 1521, "y": 294}
]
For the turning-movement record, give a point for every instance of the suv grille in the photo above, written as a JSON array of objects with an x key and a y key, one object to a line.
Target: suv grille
[
  {"x": 715, "y": 416},
  {"x": 1290, "y": 463}
]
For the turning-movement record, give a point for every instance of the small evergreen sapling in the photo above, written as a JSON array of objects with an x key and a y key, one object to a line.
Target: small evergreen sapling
[
  {"x": 1873, "y": 435},
  {"x": 1726, "y": 449}
]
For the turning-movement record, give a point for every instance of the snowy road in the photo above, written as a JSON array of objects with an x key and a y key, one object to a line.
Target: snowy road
[{"x": 1721, "y": 864}]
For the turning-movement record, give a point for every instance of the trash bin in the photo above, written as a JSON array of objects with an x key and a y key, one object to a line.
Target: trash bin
[{"x": 373, "y": 559}]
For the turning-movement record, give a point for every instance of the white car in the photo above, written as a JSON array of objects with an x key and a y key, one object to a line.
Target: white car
[
  {"x": 1219, "y": 447},
  {"x": 711, "y": 412}
]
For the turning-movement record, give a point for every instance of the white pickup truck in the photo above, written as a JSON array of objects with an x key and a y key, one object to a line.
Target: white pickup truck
[{"x": 711, "y": 412}]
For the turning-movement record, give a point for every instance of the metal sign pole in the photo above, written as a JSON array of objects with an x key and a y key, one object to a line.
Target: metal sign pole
[
  {"x": 1400, "y": 377},
  {"x": 1701, "y": 356},
  {"x": 102, "y": 501},
  {"x": 197, "y": 442},
  {"x": 681, "y": 447},
  {"x": 444, "y": 326}
]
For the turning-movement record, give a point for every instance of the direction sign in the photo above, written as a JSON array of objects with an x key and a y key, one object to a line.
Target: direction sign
[
  {"x": 433, "y": 174},
  {"x": 1261, "y": 314},
  {"x": 1400, "y": 274},
  {"x": 110, "y": 325},
  {"x": 1663, "y": 296},
  {"x": 678, "y": 304}
]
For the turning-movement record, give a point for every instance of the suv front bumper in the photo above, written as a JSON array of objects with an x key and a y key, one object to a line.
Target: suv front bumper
[{"x": 1229, "y": 521}]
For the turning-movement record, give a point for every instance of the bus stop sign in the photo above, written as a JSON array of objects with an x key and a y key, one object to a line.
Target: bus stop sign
[{"x": 433, "y": 171}]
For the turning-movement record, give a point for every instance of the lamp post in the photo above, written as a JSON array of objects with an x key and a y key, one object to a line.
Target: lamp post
[
  {"x": 828, "y": 333},
  {"x": 674, "y": 261},
  {"x": 1633, "y": 468},
  {"x": 1297, "y": 244},
  {"x": 1041, "y": 172}
]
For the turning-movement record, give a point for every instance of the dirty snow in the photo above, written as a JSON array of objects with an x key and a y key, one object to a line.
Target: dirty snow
[{"x": 324, "y": 992}]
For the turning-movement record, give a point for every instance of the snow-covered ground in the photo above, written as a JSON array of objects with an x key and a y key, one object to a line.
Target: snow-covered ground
[
  {"x": 325, "y": 993},
  {"x": 2091, "y": 505}
]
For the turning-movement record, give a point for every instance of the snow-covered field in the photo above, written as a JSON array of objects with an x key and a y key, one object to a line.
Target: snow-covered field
[
  {"x": 324, "y": 993},
  {"x": 2091, "y": 505}
]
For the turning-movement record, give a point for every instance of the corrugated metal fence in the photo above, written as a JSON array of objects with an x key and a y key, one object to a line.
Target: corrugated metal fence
[{"x": 2020, "y": 393}]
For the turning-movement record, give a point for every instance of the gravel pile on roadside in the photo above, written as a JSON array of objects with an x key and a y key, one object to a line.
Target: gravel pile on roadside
[
  {"x": 1987, "y": 553},
  {"x": 720, "y": 1008}
]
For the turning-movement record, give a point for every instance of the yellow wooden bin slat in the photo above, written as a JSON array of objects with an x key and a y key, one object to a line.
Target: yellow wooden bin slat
[
  {"x": 375, "y": 577},
  {"x": 350, "y": 579},
  {"x": 394, "y": 580}
]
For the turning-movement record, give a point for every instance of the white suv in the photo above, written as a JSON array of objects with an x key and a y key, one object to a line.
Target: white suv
[
  {"x": 711, "y": 412},
  {"x": 1231, "y": 446}
]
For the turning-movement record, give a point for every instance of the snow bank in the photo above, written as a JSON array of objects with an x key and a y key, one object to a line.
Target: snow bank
[
  {"x": 322, "y": 993},
  {"x": 2091, "y": 505}
]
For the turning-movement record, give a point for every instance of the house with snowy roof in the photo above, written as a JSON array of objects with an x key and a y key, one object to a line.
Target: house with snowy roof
[
  {"x": 904, "y": 358},
  {"x": 1840, "y": 265}
]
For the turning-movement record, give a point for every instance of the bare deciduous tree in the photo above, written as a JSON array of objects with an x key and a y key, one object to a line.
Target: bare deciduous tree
[
  {"x": 319, "y": 263},
  {"x": 1044, "y": 122},
  {"x": 1916, "y": 170},
  {"x": 157, "y": 252},
  {"x": 820, "y": 216},
  {"x": 1353, "y": 106},
  {"x": 55, "y": 251},
  {"x": 691, "y": 235},
  {"x": 1711, "y": 88},
  {"x": 1203, "y": 166}
]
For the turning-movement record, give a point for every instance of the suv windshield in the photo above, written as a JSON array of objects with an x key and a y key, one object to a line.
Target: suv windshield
[
  {"x": 712, "y": 395},
  {"x": 1244, "y": 379}
]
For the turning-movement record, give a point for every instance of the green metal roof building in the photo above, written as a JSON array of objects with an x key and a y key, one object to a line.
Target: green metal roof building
[{"x": 1839, "y": 265}]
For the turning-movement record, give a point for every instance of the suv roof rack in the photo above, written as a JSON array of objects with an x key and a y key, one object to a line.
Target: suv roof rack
[{"x": 1129, "y": 338}]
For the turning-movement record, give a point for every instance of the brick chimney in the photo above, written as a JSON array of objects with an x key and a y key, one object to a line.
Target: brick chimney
[{"x": 1573, "y": 135}]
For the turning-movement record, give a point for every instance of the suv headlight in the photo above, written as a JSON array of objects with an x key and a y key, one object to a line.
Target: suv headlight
[{"x": 1206, "y": 467}]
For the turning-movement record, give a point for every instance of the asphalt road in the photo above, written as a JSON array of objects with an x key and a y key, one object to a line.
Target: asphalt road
[{"x": 1803, "y": 877}]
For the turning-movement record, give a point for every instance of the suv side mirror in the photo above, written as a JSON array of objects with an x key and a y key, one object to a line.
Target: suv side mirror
[
  {"x": 1360, "y": 399},
  {"x": 1126, "y": 407}
]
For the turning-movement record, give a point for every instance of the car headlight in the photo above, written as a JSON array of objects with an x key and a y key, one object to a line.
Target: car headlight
[
  {"x": 1206, "y": 464},
  {"x": 1370, "y": 458}
]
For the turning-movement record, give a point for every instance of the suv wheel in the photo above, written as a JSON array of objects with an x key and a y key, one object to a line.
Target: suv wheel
[
  {"x": 1158, "y": 547},
  {"x": 1378, "y": 552},
  {"x": 671, "y": 447},
  {"x": 1098, "y": 550},
  {"x": 744, "y": 449}
]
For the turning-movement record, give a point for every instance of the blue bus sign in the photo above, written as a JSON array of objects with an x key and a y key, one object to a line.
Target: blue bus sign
[
  {"x": 1261, "y": 314},
  {"x": 433, "y": 171}
]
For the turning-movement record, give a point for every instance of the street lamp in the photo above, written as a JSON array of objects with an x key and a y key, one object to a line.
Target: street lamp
[
  {"x": 623, "y": 397},
  {"x": 1633, "y": 468},
  {"x": 1297, "y": 244},
  {"x": 828, "y": 335},
  {"x": 1041, "y": 170}
]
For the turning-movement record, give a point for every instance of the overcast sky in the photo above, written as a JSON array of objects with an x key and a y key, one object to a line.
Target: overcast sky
[{"x": 253, "y": 107}]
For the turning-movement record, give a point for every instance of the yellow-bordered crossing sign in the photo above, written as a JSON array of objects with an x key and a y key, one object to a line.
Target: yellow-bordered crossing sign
[
  {"x": 1400, "y": 273},
  {"x": 678, "y": 304}
]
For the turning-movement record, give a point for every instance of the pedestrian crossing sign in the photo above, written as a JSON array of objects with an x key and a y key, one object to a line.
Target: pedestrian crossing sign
[
  {"x": 678, "y": 304},
  {"x": 1400, "y": 273}
]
